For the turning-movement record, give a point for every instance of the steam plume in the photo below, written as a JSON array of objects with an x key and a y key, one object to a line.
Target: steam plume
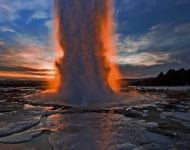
[{"x": 84, "y": 31}]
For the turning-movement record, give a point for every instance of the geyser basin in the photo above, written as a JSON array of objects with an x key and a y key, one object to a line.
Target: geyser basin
[{"x": 84, "y": 34}]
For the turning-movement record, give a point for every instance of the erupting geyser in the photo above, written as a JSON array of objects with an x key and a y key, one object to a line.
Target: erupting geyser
[{"x": 84, "y": 31}]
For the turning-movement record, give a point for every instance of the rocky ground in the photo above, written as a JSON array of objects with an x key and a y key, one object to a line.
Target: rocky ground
[{"x": 31, "y": 125}]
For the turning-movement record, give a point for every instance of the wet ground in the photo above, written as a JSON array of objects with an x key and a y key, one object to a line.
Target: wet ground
[{"x": 157, "y": 120}]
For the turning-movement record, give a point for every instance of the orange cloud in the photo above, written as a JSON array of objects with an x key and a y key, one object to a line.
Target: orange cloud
[
  {"x": 1, "y": 43},
  {"x": 24, "y": 75},
  {"x": 29, "y": 54}
]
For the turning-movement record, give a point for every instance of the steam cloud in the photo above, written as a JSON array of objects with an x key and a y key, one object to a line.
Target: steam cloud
[{"x": 82, "y": 32}]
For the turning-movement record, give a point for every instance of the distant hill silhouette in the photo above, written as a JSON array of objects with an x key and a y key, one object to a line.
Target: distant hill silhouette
[
  {"x": 22, "y": 83},
  {"x": 171, "y": 78}
]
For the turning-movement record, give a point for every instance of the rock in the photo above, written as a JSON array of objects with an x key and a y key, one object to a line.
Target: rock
[
  {"x": 20, "y": 137},
  {"x": 129, "y": 114},
  {"x": 170, "y": 125},
  {"x": 182, "y": 115},
  {"x": 183, "y": 106},
  {"x": 19, "y": 126},
  {"x": 135, "y": 111},
  {"x": 145, "y": 111},
  {"x": 160, "y": 131},
  {"x": 126, "y": 146},
  {"x": 154, "y": 146},
  {"x": 160, "y": 109},
  {"x": 162, "y": 117},
  {"x": 167, "y": 114},
  {"x": 151, "y": 125},
  {"x": 159, "y": 139},
  {"x": 181, "y": 109},
  {"x": 187, "y": 124},
  {"x": 144, "y": 115},
  {"x": 184, "y": 145},
  {"x": 171, "y": 106}
]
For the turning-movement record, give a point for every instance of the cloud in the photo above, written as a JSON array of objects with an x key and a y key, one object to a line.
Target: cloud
[
  {"x": 132, "y": 44},
  {"x": 27, "y": 55},
  {"x": 184, "y": 28},
  {"x": 130, "y": 6},
  {"x": 26, "y": 50},
  {"x": 163, "y": 43},
  {"x": 26, "y": 62},
  {"x": 1, "y": 43},
  {"x": 6, "y": 29},
  {"x": 148, "y": 71},
  {"x": 25, "y": 72},
  {"x": 38, "y": 15},
  {"x": 49, "y": 24},
  {"x": 144, "y": 59},
  {"x": 9, "y": 10}
]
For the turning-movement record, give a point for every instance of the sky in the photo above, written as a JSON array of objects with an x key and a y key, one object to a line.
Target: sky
[{"x": 151, "y": 36}]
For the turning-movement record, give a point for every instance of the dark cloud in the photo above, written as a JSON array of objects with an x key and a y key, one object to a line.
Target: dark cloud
[
  {"x": 150, "y": 71},
  {"x": 21, "y": 69},
  {"x": 163, "y": 44},
  {"x": 139, "y": 16}
]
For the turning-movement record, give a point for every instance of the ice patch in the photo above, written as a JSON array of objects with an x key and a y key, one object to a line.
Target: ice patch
[
  {"x": 145, "y": 111},
  {"x": 20, "y": 137},
  {"x": 187, "y": 124},
  {"x": 126, "y": 146},
  {"x": 166, "y": 114},
  {"x": 144, "y": 115},
  {"x": 160, "y": 109},
  {"x": 181, "y": 115},
  {"x": 170, "y": 88},
  {"x": 135, "y": 111},
  {"x": 19, "y": 126},
  {"x": 151, "y": 125}
]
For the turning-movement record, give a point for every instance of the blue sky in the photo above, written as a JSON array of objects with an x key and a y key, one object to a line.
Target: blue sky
[{"x": 151, "y": 36}]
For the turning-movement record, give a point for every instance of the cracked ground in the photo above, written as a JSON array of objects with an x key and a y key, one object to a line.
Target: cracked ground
[{"x": 32, "y": 125}]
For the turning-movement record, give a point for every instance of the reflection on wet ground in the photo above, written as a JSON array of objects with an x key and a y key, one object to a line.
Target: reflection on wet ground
[
  {"x": 76, "y": 131},
  {"x": 157, "y": 124}
]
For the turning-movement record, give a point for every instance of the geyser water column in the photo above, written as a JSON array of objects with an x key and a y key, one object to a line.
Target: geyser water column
[{"x": 84, "y": 31}]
